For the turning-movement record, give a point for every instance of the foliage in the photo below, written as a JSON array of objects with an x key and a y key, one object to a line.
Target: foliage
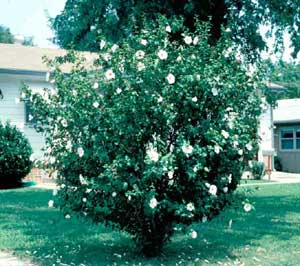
[
  {"x": 288, "y": 76},
  {"x": 15, "y": 152},
  {"x": 82, "y": 21},
  {"x": 5, "y": 35},
  {"x": 28, "y": 41},
  {"x": 277, "y": 163},
  {"x": 157, "y": 134},
  {"x": 258, "y": 170}
]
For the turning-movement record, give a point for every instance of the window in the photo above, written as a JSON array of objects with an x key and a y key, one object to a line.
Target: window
[{"x": 290, "y": 139}]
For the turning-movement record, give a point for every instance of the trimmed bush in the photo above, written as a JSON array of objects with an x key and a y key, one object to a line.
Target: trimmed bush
[
  {"x": 277, "y": 163},
  {"x": 258, "y": 170},
  {"x": 155, "y": 137},
  {"x": 15, "y": 152}
]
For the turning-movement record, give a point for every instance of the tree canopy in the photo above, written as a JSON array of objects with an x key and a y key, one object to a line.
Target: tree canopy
[
  {"x": 287, "y": 75},
  {"x": 5, "y": 35},
  {"x": 82, "y": 21}
]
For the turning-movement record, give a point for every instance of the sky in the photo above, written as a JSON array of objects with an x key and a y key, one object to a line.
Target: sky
[{"x": 28, "y": 18}]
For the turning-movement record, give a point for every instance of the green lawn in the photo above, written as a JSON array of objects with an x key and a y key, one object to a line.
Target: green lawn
[{"x": 269, "y": 235}]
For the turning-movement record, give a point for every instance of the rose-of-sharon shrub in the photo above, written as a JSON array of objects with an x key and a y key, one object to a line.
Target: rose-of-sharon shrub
[
  {"x": 15, "y": 152},
  {"x": 156, "y": 134}
]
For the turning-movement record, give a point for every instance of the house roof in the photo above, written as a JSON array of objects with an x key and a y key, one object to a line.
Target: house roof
[
  {"x": 287, "y": 111},
  {"x": 15, "y": 57}
]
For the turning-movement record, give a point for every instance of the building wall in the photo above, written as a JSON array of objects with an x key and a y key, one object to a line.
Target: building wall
[
  {"x": 14, "y": 112},
  {"x": 290, "y": 159}
]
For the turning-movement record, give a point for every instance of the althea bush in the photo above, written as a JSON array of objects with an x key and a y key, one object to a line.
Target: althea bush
[{"x": 155, "y": 135}]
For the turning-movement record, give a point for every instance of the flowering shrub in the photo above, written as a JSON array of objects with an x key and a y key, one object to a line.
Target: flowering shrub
[
  {"x": 155, "y": 135},
  {"x": 15, "y": 152}
]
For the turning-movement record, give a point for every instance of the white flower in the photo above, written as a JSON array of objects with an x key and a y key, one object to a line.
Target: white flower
[
  {"x": 84, "y": 200},
  {"x": 160, "y": 99},
  {"x": 168, "y": 29},
  {"x": 102, "y": 44},
  {"x": 225, "y": 134},
  {"x": 68, "y": 216},
  {"x": 240, "y": 152},
  {"x": 62, "y": 186},
  {"x": 230, "y": 178},
  {"x": 179, "y": 58},
  {"x": 187, "y": 149},
  {"x": 129, "y": 197},
  {"x": 207, "y": 185},
  {"x": 140, "y": 66},
  {"x": 17, "y": 100},
  {"x": 170, "y": 174},
  {"x": 50, "y": 203},
  {"x": 153, "y": 203},
  {"x": 96, "y": 104},
  {"x": 114, "y": 194},
  {"x": 140, "y": 54},
  {"x": 195, "y": 169},
  {"x": 190, "y": 206},
  {"x": 82, "y": 180},
  {"x": 162, "y": 54},
  {"x": 196, "y": 39},
  {"x": 204, "y": 219},
  {"x": 64, "y": 122},
  {"x": 114, "y": 48},
  {"x": 247, "y": 207},
  {"x": 170, "y": 78},
  {"x": 54, "y": 192},
  {"x": 194, "y": 234},
  {"x": 235, "y": 143},
  {"x": 225, "y": 189},
  {"x": 195, "y": 99},
  {"x": 217, "y": 149},
  {"x": 214, "y": 91},
  {"x": 80, "y": 151},
  {"x": 250, "y": 163},
  {"x": 152, "y": 153},
  {"x": 96, "y": 85},
  {"x": 249, "y": 147},
  {"x": 188, "y": 40},
  {"x": 109, "y": 74},
  {"x": 198, "y": 77},
  {"x": 144, "y": 42},
  {"x": 106, "y": 56},
  {"x": 88, "y": 190},
  {"x": 228, "y": 30},
  {"x": 213, "y": 190},
  {"x": 119, "y": 90}
]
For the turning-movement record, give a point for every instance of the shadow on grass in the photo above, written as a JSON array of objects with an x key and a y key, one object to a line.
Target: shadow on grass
[{"x": 28, "y": 226}]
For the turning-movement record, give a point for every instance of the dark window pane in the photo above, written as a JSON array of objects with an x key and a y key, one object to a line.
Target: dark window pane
[
  {"x": 287, "y": 134},
  {"x": 298, "y": 144},
  {"x": 298, "y": 133},
  {"x": 287, "y": 144}
]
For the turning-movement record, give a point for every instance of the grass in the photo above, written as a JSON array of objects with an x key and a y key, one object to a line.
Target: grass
[
  {"x": 255, "y": 181},
  {"x": 269, "y": 235}
]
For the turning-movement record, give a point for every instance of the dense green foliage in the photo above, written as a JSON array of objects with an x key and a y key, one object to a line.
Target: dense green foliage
[
  {"x": 5, "y": 35},
  {"x": 258, "y": 170},
  {"x": 155, "y": 135},
  {"x": 82, "y": 21},
  {"x": 288, "y": 76},
  {"x": 15, "y": 152}
]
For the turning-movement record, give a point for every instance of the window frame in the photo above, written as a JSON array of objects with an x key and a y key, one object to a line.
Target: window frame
[{"x": 294, "y": 138}]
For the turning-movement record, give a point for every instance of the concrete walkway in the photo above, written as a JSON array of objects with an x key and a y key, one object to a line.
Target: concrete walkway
[{"x": 7, "y": 259}]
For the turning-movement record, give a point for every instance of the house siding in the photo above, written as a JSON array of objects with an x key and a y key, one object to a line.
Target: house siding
[
  {"x": 290, "y": 160},
  {"x": 15, "y": 112}
]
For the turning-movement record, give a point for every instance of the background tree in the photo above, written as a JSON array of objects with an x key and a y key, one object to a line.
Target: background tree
[
  {"x": 287, "y": 75},
  {"x": 82, "y": 21},
  {"x": 5, "y": 35}
]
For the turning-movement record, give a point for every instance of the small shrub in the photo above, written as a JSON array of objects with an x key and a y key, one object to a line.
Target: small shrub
[
  {"x": 15, "y": 152},
  {"x": 277, "y": 164},
  {"x": 258, "y": 170}
]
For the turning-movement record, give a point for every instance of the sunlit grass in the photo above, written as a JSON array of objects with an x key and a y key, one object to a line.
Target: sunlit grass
[{"x": 269, "y": 235}]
